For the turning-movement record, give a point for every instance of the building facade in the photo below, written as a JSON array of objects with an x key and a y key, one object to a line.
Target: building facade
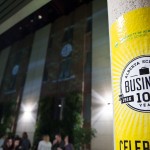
[{"x": 68, "y": 55}]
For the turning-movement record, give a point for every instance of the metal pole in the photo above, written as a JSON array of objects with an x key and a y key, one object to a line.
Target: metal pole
[{"x": 129, "y": 28}]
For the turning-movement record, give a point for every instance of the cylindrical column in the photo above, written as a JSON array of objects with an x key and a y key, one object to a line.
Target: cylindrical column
[{"x": 129, "y": 22}]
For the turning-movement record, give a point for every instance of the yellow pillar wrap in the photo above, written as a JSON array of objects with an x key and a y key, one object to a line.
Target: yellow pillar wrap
[{"x": 130, "y": 58}]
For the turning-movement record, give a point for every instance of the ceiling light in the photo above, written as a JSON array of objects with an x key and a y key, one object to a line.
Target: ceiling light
[{"x": 39, "y": 16}]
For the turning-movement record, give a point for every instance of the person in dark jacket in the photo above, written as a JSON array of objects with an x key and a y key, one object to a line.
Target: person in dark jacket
[
  {"x": 58, "y": 143},
  {"x": 25, "y": 143},
  {"x": 68, "y": 145}
]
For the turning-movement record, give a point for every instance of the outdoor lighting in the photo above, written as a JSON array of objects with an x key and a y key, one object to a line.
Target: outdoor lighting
[
  {"x": 27, "y": 112},
  {"x": 103, "y": 106},
  {"x": 27, "y": 108},
  {"x": 27, "y": 115},
  {"x": 59, "y": 105}
]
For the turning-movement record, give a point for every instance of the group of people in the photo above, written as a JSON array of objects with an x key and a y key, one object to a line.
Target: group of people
[
  {"x": 58, "y": 143},
  {"x": 15, "y": 143},
  {"x": 23, "y": 143}
]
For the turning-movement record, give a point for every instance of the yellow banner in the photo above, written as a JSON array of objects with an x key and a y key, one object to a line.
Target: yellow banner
[{"x": 130, "y": 54}]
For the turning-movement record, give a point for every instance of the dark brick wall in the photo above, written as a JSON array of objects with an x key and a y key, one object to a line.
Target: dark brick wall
[
  {"x": 12, "y": 85},
  {"x": 78, "y": 21}
]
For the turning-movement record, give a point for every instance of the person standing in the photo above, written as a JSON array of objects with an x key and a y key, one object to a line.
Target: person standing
[
  {"x": 8, "y": 144},
  {"x": 17, "y": 144},
  {"x": 45, "y": 144},
  {"x": 2, "y": 139},
  {"x": 25, "y": 142},
  {"x": 58, "y": 143},
  {"x": 68, "y": 145}
]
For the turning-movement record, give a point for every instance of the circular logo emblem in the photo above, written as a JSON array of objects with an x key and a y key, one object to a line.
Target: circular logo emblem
[
  {"x": 135, "y": 84},
  {"x": 66, "y": 50},
  {"x": 15, "y": 70}
]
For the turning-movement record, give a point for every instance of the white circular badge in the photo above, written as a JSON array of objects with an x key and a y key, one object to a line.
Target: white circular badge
[{"x": 135, "y": 84}]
